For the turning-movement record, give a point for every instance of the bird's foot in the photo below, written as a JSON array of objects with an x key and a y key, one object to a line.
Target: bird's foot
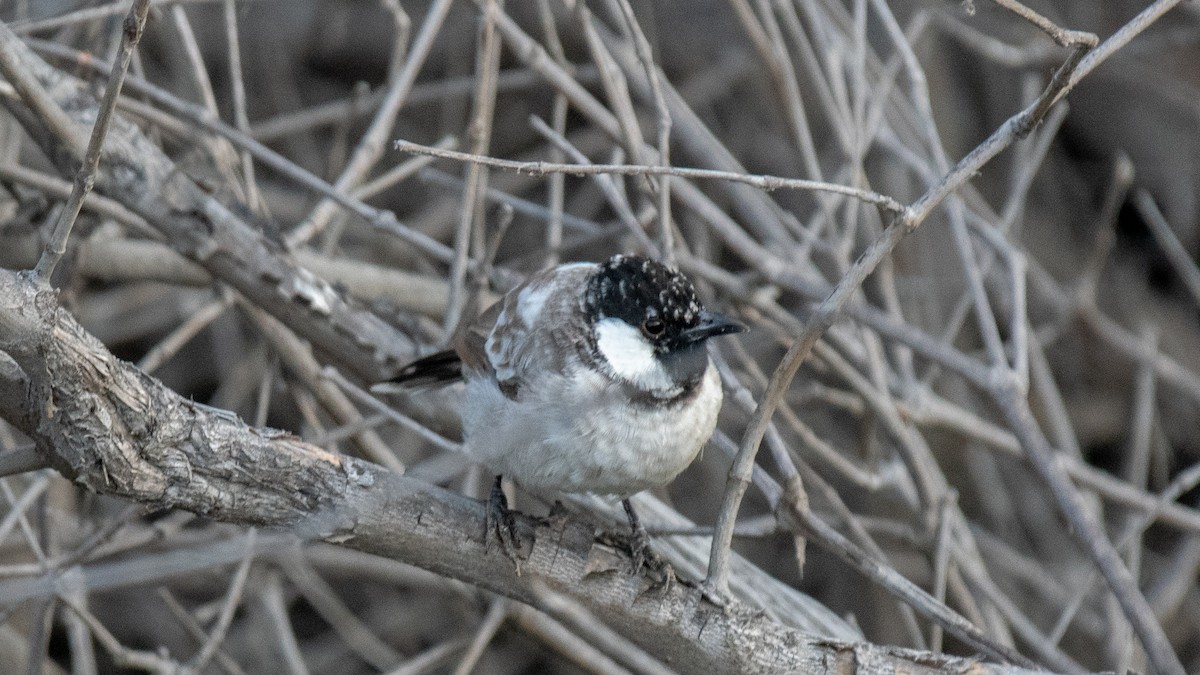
[
  {"x": 642, "y": 556},
  {"x": 500, "y": 522},
  {"x": 558, "y": 512}
]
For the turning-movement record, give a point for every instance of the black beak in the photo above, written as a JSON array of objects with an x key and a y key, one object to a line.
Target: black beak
[{"x": 711, "y": 324}]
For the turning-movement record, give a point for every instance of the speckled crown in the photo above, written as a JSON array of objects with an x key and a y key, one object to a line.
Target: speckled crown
[{"x": 633, "y": 288}]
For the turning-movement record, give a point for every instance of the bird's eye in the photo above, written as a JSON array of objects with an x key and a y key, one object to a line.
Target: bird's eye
[{"x": 653, "y": 326}]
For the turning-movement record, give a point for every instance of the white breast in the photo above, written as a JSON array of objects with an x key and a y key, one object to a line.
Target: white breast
[{"x": 580, "y": 433}]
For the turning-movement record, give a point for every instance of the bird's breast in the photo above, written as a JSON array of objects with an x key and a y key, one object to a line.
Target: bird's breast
[{"x": 580, "y": 433}]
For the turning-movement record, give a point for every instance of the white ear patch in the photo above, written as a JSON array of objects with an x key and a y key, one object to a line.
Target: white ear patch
[{"x": 631, "y": 356}]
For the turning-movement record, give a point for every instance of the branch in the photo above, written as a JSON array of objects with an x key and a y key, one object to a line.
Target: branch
[
  {"x": 767, "y": 183},
  {"x": 120, "y": 432},
  {"x": 136, "y": 173},
  {"x": 131, "y": 34}
]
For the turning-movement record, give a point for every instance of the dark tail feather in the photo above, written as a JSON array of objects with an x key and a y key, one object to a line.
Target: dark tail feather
[{"x": 434, "y": 370}]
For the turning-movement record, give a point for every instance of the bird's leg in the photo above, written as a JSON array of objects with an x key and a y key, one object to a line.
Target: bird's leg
[
  {"x": 500, "y": 520},
  {"x": 640, "y": 551}
]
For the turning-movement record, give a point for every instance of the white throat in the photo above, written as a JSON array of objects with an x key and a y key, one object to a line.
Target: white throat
[{"x": 631, "y": 358}]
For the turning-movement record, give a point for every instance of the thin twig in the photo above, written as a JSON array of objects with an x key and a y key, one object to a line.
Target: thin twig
[
  {"x": 1088, "y": 531},
  {"x": 495, "y": 616},
  {"x": 89, "y": 14},
  {"x": 373, "y": 142},
  {"x": 56, "y": 246},
  {"x": 768, "y": 183},
  {"x": 238, "y": 94},
  {"x": 324, "y": 599},
  {"x": 383, "y": 220},
  {"x": 301, "y": 362},
  {"x": 1168, "y": 241},
  {"x": 824, "y": 315},
  {"x": 1065, "y": 38},
  {"x": 233, "y": 598},
  {"x": 469, "y": 234},
  {"x": 271, "y": 596},
  {"x": 641, "y": 45},
  {"x": 189, "y": 624}
]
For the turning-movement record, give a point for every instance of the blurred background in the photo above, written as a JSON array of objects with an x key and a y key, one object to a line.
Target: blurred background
[{"x": 1069, "y": 260}]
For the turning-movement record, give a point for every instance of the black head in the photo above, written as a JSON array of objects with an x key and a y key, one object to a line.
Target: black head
[
  {"x": 646, "y": 294},
  {"x": 661, "y": 304}
]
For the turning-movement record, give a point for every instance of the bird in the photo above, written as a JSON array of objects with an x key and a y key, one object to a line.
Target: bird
[{"x": 586, "y": 378}]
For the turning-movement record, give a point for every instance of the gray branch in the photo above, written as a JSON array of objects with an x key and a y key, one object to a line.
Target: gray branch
[
  {"x": 136, "y": 173},
  {"x": 120, "y": 432}
]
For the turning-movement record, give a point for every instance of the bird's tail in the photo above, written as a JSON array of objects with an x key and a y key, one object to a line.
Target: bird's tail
[{"x": 435, "y": 370}]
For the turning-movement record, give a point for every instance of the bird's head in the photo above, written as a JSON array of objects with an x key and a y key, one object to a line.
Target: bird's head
[{"x": 648, "y": 326}]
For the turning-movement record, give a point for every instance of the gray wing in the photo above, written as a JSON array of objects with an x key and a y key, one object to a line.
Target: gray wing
[
  {"x": 537, "y": 326},
  {"x": 533, "y": 326}
]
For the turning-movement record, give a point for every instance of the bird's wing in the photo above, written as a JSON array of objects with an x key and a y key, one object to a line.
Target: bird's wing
[
  {"x": 503, "y": 342},
  {"x": 470, "y": 344},
  {"x": 534, "y": 322},
  {"x": 504, "y": 351}
]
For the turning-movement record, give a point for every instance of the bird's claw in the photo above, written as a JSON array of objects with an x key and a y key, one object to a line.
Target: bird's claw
[
  {"x": 642, "y": 556},
  {"x": 500, "y": 522}
]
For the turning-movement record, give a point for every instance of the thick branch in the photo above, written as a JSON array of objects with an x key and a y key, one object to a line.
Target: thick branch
[
  {"x": 136, "y": 173},
  {"x": 121, "y": 432}
]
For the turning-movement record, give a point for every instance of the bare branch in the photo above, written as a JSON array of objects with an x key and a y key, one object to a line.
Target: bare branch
[{"x": 202, "y": 460}]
